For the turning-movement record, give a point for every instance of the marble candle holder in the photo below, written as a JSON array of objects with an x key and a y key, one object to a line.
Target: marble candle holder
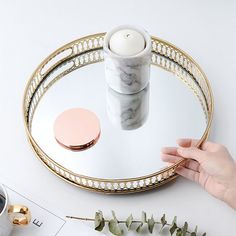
[
  {"x": 128, "y": 111},
  {"x": 127, "y": 74}
]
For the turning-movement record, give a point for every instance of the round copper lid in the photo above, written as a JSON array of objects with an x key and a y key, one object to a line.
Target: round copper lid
[{"x": 77, "y": 129}]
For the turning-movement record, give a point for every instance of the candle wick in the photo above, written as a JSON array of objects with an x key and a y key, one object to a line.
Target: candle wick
[{"x": 127, "y": 35}]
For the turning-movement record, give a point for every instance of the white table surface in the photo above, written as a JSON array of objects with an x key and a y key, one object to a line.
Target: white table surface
[{"x": 30, "y": 30}]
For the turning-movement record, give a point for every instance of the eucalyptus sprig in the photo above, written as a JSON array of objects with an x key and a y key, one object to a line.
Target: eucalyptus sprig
[{"x": 115, "y": 229}]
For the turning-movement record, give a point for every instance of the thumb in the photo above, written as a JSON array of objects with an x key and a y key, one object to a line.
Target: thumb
[{"x": 192, "y": 153}]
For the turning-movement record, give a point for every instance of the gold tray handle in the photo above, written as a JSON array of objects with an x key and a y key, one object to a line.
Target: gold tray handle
[{"x": 19, "y": 215}]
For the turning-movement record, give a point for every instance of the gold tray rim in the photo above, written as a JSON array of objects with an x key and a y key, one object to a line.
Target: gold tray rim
[{"x": 68, "y": 175}]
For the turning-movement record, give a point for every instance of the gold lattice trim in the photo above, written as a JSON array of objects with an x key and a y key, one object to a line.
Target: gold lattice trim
[{"x": 88, "y": 50}]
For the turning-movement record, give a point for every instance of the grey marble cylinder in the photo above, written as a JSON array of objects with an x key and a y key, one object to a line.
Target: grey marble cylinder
[
  {"x": 127, "y": 74},
  {"x": 128, "y": 111}
]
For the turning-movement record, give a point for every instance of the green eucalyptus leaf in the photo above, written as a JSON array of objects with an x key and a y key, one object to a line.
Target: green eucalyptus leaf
[
  {"x": 139, "y": 227},
  {"x": 174, "y": 220},
  {"x": 173, "y": 228},
  {"x": 163, "y": 222},
  {"x": 144, "y": 217},
  {"x": 99, "y": 221},
  {"x": 195, "y": 231},
  {"x": 185, "y": 229},
  {"x": 151, "y": 224},
  {"x": 114, "y": 227},
  {"x": 114, "y": 216},
  {"x": 179, "y": 232},
  {"x": 129, "y": 222},
  {"x": 144, "y": 220}
]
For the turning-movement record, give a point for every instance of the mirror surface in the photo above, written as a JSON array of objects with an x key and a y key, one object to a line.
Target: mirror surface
[{"x": 134, "y": 128}]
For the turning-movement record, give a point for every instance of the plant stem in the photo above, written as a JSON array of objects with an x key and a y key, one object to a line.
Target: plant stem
[
  {"x": 119, "y": 221},
  {"x": 91, "y": 219}
]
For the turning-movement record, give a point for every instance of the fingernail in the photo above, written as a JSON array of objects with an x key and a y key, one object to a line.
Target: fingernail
[
  {"x": 180, "y": 150},
  {"x": 163, "y": 150}
]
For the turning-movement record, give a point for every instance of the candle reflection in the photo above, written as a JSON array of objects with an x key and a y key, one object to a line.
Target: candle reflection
[{"x": 128, "y": 111}]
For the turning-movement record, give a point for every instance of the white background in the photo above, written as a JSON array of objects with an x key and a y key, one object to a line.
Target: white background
[{"x": 30, "y": 30}]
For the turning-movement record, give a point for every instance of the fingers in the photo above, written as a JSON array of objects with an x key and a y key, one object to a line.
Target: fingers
[
  {"x": 206, "y": 146},
  {"x": 192, "y": 153},
  {"x": 186, "y": 150},
  {"x": 210, "y": 146},
  {"x": 186, "y": 142},
  {"x": 188, "y": 174},
  {"x": 170, "y": 151},
  {"x": 192, "y": 143},
  {"x": 170, "y": 158},
  {"x": 190, "y": 164}
]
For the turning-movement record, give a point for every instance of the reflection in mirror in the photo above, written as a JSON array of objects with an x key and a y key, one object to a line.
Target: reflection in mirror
[
  {"x": 128, "y": 111},
  {"x": 171, "y": 110}
]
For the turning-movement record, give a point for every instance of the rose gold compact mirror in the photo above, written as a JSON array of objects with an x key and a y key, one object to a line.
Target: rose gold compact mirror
[{"x": 77, "y": 129}]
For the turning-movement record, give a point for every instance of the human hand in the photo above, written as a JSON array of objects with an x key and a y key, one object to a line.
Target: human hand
[{"x": 211, "y": 166}]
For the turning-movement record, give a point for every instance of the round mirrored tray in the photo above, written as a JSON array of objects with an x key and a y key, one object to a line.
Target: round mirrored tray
[{"x": 126, "y": 157}]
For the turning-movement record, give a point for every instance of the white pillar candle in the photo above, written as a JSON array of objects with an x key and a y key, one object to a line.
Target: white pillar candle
[
  {"x": 127, "y": 55},
  {"x": 127, "y": 42}
]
